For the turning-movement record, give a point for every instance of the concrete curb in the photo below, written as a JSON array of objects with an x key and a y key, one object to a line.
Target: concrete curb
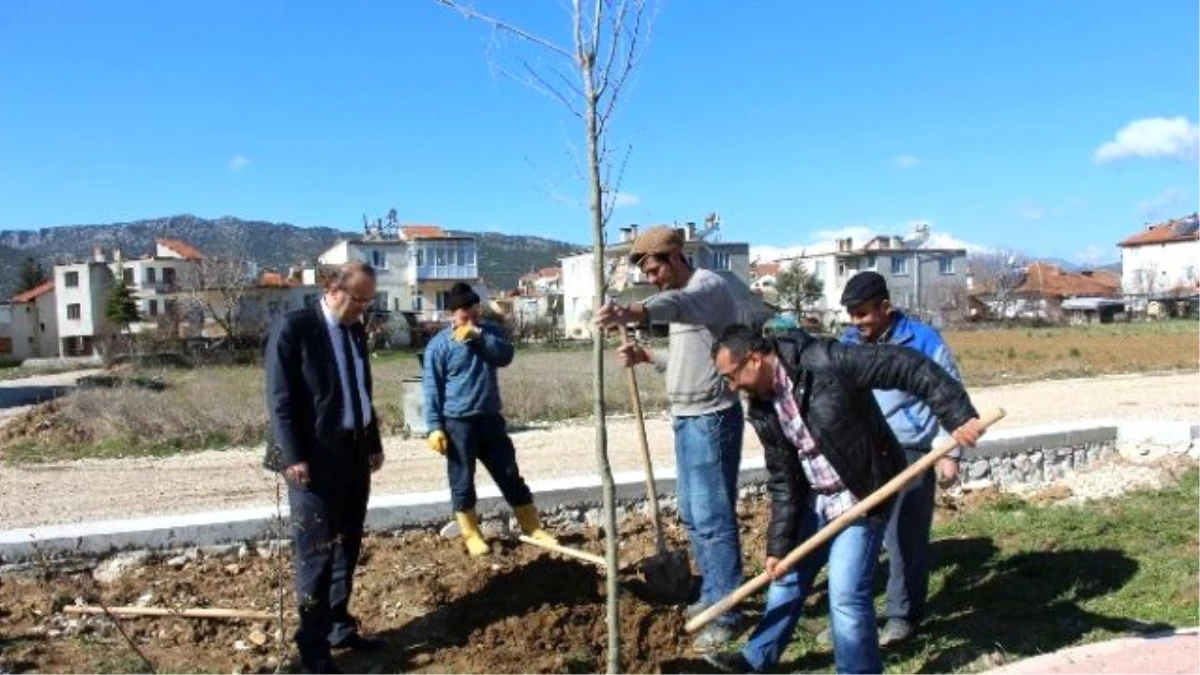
[{"x": 398, "y": 511}]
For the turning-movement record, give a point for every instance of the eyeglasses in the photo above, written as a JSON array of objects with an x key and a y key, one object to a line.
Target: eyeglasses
[
  {"x": 358, "y": 298},
  {"x": 732, "y": 376}
]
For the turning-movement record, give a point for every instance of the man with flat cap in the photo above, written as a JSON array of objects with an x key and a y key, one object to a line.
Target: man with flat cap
[
  {"x": 707, "y": 416},
  {"x": 463, "y": 411},
  {"x": 875, "y": 321}
]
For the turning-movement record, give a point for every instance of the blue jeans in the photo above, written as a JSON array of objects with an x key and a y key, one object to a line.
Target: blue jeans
[
  {"x": 851, "y": 557},
  {"x": 484, "y": 438},
  {"x": 708, "y": 452}
]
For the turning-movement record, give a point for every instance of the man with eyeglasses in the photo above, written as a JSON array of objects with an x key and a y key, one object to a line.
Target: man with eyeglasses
[
  {"x": 324, "y": 438},
  {"x": 827, "y": 446},
  {"x": 706, "y": 416}
]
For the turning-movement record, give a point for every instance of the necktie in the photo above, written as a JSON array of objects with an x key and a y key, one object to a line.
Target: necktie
[{"x": 353, "y": 399}]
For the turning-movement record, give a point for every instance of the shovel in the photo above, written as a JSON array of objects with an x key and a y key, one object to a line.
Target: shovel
[
  {"x": 668, "y": 574},
  {"x": 859, "y": 510}
]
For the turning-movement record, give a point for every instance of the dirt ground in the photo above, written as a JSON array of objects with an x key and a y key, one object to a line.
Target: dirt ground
[
  {"x": 105, "y": 489},
  {"x": 519, "y": 610}
]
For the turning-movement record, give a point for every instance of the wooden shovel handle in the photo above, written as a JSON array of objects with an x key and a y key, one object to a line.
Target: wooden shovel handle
[
  {"x": 186, "y": 612},
  {"x": 833, "y": 527},
  {"x": 635, "y": 397}
]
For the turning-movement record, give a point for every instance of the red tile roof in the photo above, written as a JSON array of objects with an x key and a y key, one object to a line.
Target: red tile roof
[
  {"x": 762, "y": 269},
  {"x": 35, "y": 292},
  {"x": 185, "y": 250},
  {"x": 1180, "y": 229},
  {"x": 1046, "y": 279},
  {"x": 422, "y": 231}
]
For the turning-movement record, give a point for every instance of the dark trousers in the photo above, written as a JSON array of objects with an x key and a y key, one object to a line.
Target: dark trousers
[
  {"x": 484, "y": 438},
  {"x": 907, "y": 543},
  {"x": 327, "y": 526}
]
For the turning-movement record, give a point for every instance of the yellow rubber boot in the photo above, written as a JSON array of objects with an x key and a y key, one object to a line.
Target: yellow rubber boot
[
  {"x": 468, "y": 522},
  {"x": 531, "y": 525}
]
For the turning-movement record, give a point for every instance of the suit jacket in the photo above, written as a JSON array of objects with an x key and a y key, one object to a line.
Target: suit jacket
[{"x": 304, "y": 393}]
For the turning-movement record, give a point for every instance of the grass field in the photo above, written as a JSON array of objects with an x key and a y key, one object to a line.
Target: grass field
[
  {"x": 1015, "y": 580},
  {"x": 222, "y": 406}
]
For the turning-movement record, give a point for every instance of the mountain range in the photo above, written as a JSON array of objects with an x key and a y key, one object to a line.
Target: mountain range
[{"x": 502, "y": 258}]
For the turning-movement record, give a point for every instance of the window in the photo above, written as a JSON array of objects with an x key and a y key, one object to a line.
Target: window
[
  {"x": 397, "y": 303},
  {"x": 870, "y": 263},
  {"x": 721, "y": 260},
  {"x": 169, "y": 307},
  {"x": 381, "y": 301},
  {"x": 418, "y": 303},
  {"x": 42, "y": 327},
  {"x": 378, "y": 260},
  {"x": 946, "y": 265},
  {"x": 440, "y": 303},
  {"x": 74, "y": 310},
  {"x": 169, "y": 276},
  {"x": 127, "y": 276},
  {"x": 899, "y": 266},
  {"x": 841, "y": 269},
  {"x": 819, "y": 269},
  {"x": 71, "y": 279},
  {"x": 153, "y": 308},
  {"x": 151, "y": 275}
]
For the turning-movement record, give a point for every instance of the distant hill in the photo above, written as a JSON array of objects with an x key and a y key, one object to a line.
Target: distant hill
[{"x": 502, "y": 258}]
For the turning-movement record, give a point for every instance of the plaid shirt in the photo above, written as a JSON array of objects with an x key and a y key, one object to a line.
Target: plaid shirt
[{"x": 833, "y": 499}]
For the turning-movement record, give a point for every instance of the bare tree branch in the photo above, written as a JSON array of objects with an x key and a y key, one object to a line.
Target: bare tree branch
[{"x": 470, "y": 13}]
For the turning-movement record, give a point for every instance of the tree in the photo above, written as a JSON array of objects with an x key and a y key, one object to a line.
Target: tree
[
  {"x": 606, "y": 39},
  {"x": 218, "y": 288},
  {"x": 32, "y": 274},
  {"x": 121, "y": 310},
  {"x": 797, "y": 287},
  {"x": 997, "y": 275}
]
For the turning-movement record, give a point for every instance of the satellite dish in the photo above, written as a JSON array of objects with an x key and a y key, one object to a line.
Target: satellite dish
[{"x": 919, "y": 235}]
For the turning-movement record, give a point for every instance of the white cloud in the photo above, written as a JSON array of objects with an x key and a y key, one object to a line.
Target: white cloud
[
  {"x": 238, "y": 162},
  {"x": 904, "y": 162},
  {"x": 626, "y": 199},
  {"x": 1173, "y": 138},
  {"x": 826, "y": 241},
  {"x": 1161, "y": 204}
]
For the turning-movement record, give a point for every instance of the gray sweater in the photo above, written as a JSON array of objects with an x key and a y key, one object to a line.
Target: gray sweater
[{"x": 697, "y": 313}]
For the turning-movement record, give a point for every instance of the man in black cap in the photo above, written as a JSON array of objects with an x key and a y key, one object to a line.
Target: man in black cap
[
  {"x": 462, "y": 409},
  {"x": 875, "y": 321}
]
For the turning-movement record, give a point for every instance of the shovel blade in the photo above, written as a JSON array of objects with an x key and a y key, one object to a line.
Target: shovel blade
[{"x": 668, "y": 576}]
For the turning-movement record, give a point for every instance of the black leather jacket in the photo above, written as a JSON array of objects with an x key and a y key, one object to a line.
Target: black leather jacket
[{"x": 833, "y": 384}]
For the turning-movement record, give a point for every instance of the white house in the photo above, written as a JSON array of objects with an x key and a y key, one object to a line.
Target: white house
[
  {"x": 29, "y": 324},
  {"x": 731, "y": 260},
  {"x": 1160, "y": 262},
  {"x": 80, "y": 290},
  {"x": 156, "y": 280},
  {"x": 415, "y": 266},
  {"x": 921, "y": 279}
]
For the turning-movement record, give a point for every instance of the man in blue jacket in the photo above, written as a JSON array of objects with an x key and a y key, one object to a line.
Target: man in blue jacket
[
  {"x": 462, "y": 409},
  {"x": 875, "y": 321}
]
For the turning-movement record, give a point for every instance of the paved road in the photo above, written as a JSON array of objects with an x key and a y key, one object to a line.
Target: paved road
[
  {"x": 213, "y": 480},
  {"x": 18, "y": 395}
]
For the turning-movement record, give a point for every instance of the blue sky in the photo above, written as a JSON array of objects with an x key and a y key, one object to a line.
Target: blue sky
[{"x": 1056, "y": 128}]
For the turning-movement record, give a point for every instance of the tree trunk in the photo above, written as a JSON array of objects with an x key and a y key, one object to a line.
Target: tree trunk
[{"x": 612, "y": 587}]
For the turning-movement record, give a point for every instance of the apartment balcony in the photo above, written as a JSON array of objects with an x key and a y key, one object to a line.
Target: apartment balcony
[{"x": 463, "y": 272}]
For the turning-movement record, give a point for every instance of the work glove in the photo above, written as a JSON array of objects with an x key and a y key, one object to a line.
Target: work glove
[
  {"x": 438, "y": 442},
  {"x": 466, "y": 333}
]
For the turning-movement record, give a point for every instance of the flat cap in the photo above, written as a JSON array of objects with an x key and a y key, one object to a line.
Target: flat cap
[
  {"x": 658, "y": 240},
  {"x": 865, "y": 286}
]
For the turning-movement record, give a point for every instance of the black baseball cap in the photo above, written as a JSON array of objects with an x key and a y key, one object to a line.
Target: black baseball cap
[{"x": 865, "y": 286}]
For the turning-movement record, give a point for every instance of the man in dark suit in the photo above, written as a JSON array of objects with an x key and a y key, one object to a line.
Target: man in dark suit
[{"x": 324, "y": 438}]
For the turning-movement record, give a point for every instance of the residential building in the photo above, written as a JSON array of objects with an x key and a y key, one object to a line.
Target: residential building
[
  {"x": 1045, "y": 291},
  {"x": 923, "y": 280},
  {"x": 730, "y": 260},
  {"x": 1160, "y": 262},
  {"x": 415, "y": 266},
  {"x": 80, "y": 289},
  {"x": 29, "y": 324},
  {"x": 157, "y": 280}
]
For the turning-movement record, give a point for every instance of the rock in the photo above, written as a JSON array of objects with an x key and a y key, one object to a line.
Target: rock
[
  {"x": 119, "y": 565},
  {"x": 243, "y": 552},
  {"x": 978, "y": 469},
  {"x": 144, "y": 599},
  {"x": 258, "y": 638},
  {"x": 177, "y": 562},
  {"x": 233, "y": 569},
  {"x": 977, "y": 485},
  {"x": 221, "y": 550},
  {"x": 421, "y": 659},
  {"x": 241, "y": 646},
  {"x": 451, "y": 530}
]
